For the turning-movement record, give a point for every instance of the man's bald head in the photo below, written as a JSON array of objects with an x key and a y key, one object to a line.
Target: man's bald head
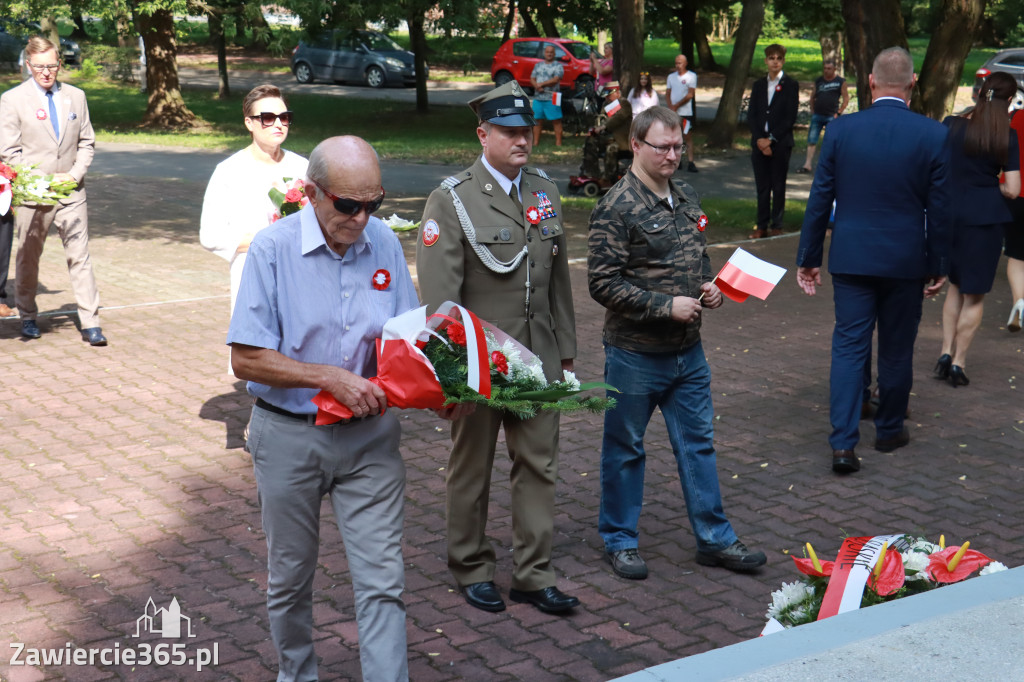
[
  {"x": 892, "y": 74},
  {"x": 338, "y": 158}
]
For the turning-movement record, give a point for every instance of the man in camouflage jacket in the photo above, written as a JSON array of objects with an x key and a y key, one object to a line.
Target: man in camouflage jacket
[{"x": 649, "y": 267}]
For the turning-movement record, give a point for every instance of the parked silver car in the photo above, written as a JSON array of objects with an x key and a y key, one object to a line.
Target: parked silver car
[
  {"x": 356, "y": 56},
  {"x": 70, "y": 51},
  {"x": 1007, "y": 61}
]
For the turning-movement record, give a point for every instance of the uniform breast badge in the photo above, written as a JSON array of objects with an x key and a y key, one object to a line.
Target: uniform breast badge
[
  {"x": 544, "y": 205},
  {"x": 533, "y": 215}
]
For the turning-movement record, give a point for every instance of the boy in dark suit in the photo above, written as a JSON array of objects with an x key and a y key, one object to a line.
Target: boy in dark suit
[{"x": 772, "y": 113}]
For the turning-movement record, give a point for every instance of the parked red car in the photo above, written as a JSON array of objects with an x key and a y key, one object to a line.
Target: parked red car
[{"x": 517, "y": 57}]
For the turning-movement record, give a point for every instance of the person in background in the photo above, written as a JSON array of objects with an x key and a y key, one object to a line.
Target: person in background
[
  {"x": 981, "y": 147},
  {"x": 643, "y": 96},
  {"x": 603, "y": 69},
  {"x": 237, "y": 204},
  {"x": 825, "y": 106},
  {"x": 1014, "y": 240},
  {"x": 681, "y": 88},
  {"x": 545, "y": 79}
]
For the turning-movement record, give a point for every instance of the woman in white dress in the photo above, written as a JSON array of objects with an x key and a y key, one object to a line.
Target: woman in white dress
[
  {"x": 643, "y": 96},
  {"x": 237, "y": 204}
]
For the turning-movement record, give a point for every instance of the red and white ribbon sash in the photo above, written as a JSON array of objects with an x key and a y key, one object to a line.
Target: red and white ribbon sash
[{"x": 854, "y": 563}]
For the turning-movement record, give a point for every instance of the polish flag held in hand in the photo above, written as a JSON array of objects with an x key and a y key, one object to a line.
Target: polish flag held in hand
[
  {"x": 747, "y": 275},
  {"x": 556, "y": 99},
  {"x": 612, "y": 108}
]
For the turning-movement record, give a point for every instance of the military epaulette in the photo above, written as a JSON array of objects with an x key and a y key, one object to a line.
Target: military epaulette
[
  {"x": 453, "y": 181},
  {"x": 537, "y": 171}
]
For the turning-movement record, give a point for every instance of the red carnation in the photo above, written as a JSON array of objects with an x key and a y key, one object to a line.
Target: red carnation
[
  {"x": 7, "y": 172},
  {"x": 457, "y": 333},
  {"x": 499, "y": 361},
  {"x": 293, "y": 196}
]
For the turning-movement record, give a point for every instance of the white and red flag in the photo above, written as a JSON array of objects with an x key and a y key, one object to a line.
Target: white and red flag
[
  {"x": 747, "y": 275},
  {"x": 556, "y": 99},
  {"x": 612, "y": 108}
]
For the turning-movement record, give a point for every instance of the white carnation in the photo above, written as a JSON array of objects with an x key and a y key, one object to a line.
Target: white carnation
[
  {"x": 789, "y": 596},
  {"x": 570, "y": 378},
  {"x": 914, "y": 565}
]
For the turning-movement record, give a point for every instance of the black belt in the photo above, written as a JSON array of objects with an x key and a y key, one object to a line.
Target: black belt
[{"x": 308, "y": 418}]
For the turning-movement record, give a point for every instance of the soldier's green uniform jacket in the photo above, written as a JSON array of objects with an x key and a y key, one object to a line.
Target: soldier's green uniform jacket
[
  {"x": 449, "y": 269},
  {"x": 642, "y": 253}
]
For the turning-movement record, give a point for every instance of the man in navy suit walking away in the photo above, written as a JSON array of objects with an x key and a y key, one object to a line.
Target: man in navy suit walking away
[{"x": 886, "y": 170}]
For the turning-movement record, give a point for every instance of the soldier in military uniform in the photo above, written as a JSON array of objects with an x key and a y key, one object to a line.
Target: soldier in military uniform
[
  {"x": 649, "y": 267},
  {"x": 492, "y": 239}
]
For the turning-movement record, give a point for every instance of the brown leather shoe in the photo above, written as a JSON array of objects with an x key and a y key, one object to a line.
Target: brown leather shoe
[
  {"x": 845, "y": 462},
  {"x": 758, "y": 234},
  {"x": 897, "y": 441}
]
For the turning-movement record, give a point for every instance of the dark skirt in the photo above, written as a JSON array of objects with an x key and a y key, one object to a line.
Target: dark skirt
[
  {"x": 1015, "y": 231},
  {"x": 976, "y": 251}
]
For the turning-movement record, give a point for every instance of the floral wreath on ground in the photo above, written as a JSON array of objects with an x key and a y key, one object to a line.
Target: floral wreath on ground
[{"x": 914, "y": 566}]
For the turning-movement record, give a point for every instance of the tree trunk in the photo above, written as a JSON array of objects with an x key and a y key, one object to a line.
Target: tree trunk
[
  {"x": 215, "y": 20},
  {"x": 125, "y": 26},
  {"x": 724, "y": 126},
  {"x": 629, "y": 42},
  {"x": 48, "y": 28},
  {"x": 76, "y": 16},
  {"x": 871, "y": 26},
  {"x": 262, "y": 34},
  {"x": 705, "y": 58},
  {"x": 832, "y": 49},
  {"x": 547, "y": 19},
  {"x": 529, "y": 27},
  {"x": 687, "y": 16},
  {"x": 418, "y": 40},
  {"x": 510, "y": 21},
  {"x": 166, "y": 108},
  {"x": 944, "y": 61}
]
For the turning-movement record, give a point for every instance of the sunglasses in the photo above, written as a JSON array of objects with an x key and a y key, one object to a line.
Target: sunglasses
[
  {"x": 351, "y": 206},
  {"x": 267, "y": 118}
]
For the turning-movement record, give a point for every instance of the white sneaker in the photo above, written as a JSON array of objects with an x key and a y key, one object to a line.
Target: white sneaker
[{"x": 1016, "y": 316}]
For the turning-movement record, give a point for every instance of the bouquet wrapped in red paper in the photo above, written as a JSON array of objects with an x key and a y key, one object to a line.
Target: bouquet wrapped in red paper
[{"x": 454, "y": 357}]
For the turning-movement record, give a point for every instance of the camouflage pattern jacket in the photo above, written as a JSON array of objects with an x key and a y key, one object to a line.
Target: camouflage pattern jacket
[{"x": 642, "y": 253}]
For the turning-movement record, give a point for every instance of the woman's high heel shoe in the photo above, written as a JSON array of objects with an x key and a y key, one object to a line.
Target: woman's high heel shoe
[
  {"x": 1016, "y": 316},
  {"x": 957, "y": 376},
  {"x": 942, "y": 366}
]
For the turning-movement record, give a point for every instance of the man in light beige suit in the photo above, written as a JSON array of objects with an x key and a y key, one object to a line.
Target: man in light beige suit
[{"x": 47, "y": 123}]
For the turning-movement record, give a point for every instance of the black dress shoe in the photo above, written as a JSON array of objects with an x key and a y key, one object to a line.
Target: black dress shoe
[
  {"x": 94, "y": 336},
  {"x": 845, "y": 462},
  {"x": 548, "y": 600},
  {"x": 890, "y": 444},
  {"x": 957, "y": 376},
  {"x": 484, "y": 596},
  {"x": 943, "y": 365},
  {"x": 30, "y": 330}
]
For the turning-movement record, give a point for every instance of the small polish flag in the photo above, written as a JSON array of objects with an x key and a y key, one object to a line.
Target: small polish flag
[
  {"x": 747, "y": 275},
  {"x": 686, "y": 126},
  {"x": 612, "y": 108},
  {"x": 556, "y": 99}
]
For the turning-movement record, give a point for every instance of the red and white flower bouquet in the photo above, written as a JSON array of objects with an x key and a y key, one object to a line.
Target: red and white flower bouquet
[
  {"x": 868, "y": 571},
  {"x": 23, "y": 184},
  {"x": 454, "y": 357},
  {"x": 288, "y": 200}
]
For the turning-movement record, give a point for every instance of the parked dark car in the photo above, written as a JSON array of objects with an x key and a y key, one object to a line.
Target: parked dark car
[
  {"x": 1007, "y": 61},
  {"x": 356, "y": 56},
  {"x": 516, "y": 58},
  {"x": 70, "y": 52}
]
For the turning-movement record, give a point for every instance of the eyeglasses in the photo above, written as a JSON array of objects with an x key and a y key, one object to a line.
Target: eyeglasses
[
  {"x": 39, "y": 68},
  {"x": 351, "y": 206},
  {"x": 267, "y": 118},
  {"x": 665, "y": 149}
]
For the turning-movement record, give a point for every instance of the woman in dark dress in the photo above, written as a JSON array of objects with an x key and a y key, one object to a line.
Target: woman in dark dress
[{"x": 981, "y": 146}]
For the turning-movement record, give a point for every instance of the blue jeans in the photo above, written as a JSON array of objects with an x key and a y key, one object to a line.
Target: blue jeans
[
  {"x": 680, "y": 384},
  {"x": 818, "y": 122}
]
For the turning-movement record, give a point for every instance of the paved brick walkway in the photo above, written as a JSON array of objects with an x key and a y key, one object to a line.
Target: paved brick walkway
[{"x": 123, "y": 479}]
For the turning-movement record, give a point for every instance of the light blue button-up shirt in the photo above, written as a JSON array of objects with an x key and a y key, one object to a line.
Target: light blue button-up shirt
[{"x": 302, "y": 299}]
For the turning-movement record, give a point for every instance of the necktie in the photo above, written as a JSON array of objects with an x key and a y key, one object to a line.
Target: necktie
[
  {"x": 514, "y": 195},
  {"x": 53, "y": 113}
]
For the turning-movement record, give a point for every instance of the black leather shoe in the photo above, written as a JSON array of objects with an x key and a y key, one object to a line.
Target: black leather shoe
[
  {"x": 957, "y": 376},
  {"x": 735, "y": 557},
  {"x": 94, "y": 336},
  {"x": 943, "y": 365},
  {"x": 548, "y": 600},
  {"x": 890, "y": 444},
  {"x": 30, "y": 330},
  {"x": 484, "y": 596},
  {"x": 845, "y": 462}
]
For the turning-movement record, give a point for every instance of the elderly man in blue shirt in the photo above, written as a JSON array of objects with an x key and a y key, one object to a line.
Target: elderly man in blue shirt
[{"x": 317, "y": 288}]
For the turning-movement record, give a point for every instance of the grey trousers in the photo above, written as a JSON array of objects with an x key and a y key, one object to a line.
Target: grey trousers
[{"x": 360, "y": 468}]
